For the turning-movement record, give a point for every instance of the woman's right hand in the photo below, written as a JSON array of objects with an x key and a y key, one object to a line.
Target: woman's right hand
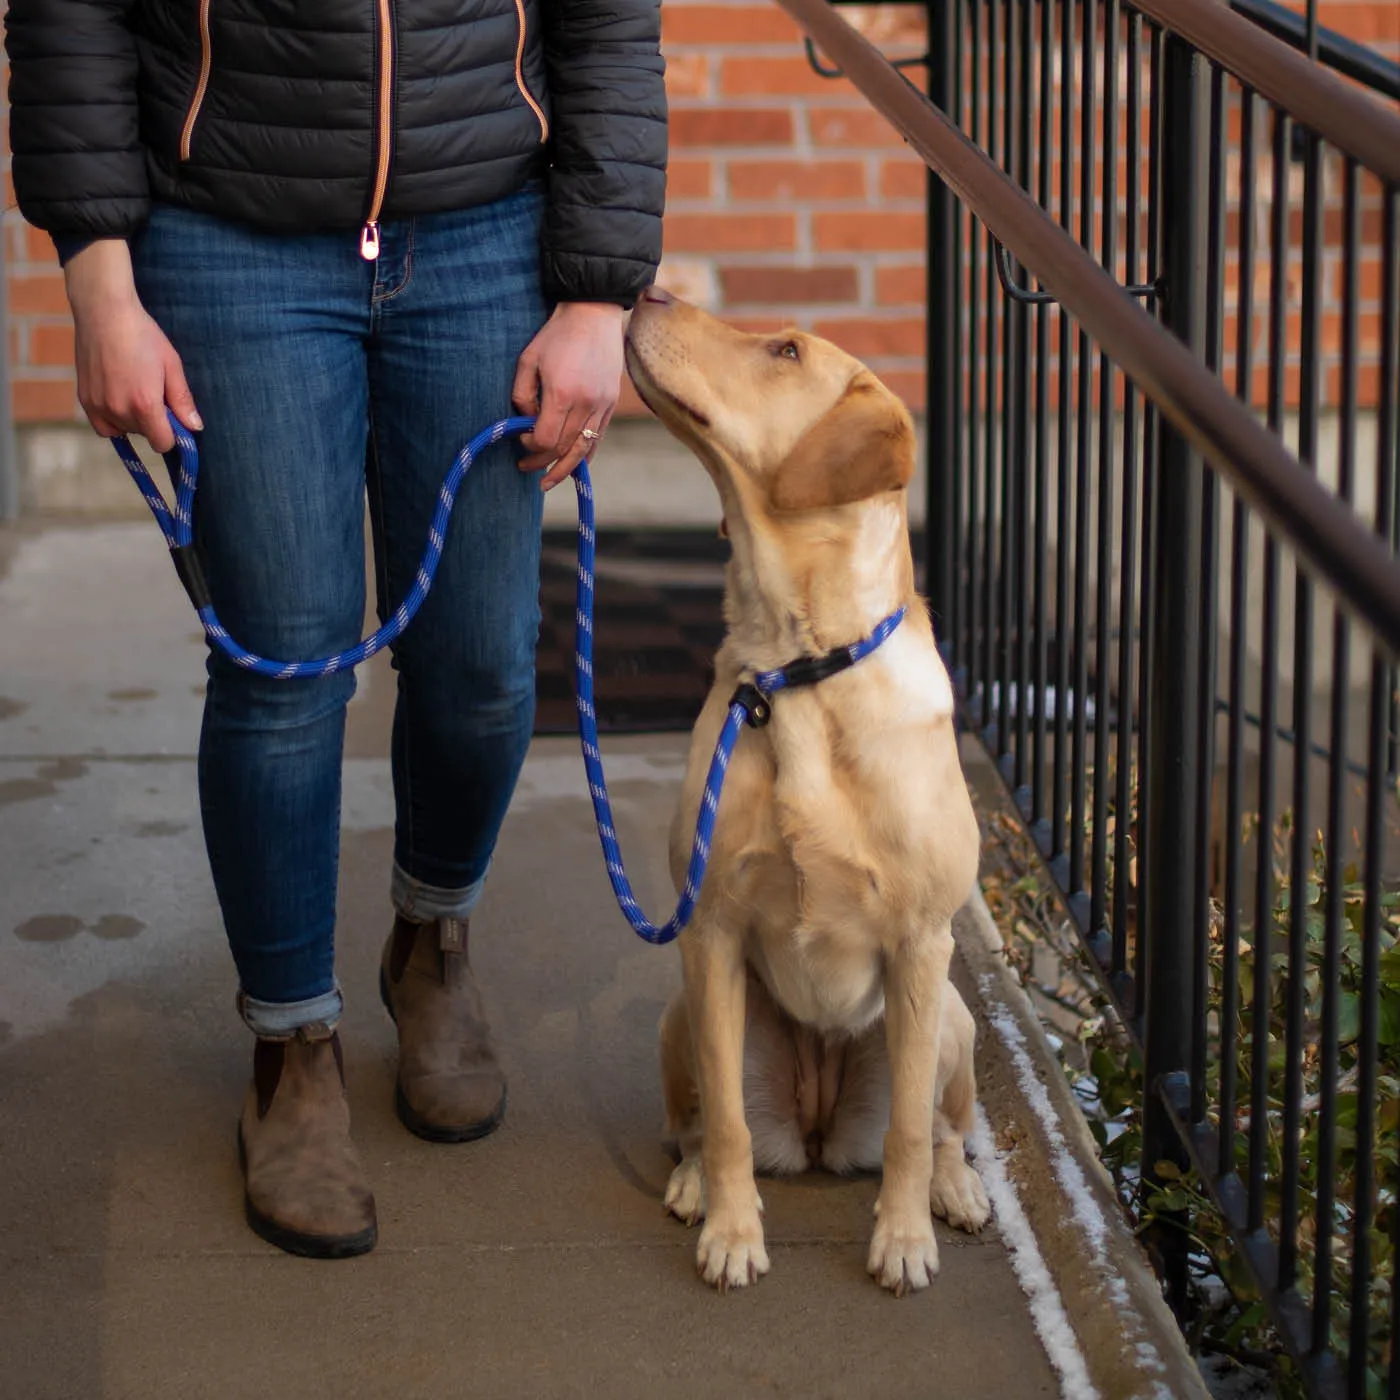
[{"x": 128, "y": 372}]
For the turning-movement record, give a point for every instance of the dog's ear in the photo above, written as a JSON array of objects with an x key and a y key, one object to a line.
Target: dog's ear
[{"x": 860, "y": 447}]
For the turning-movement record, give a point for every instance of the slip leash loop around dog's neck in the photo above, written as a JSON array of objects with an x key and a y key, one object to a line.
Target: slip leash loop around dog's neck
[
  {"x": 751, "y": 703},
  {"x": 756, "y": 695}
]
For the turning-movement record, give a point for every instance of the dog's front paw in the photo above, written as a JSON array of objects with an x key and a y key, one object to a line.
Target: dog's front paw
[
  {"x": 957, "y": 1195},
  {"x": 903, "y": 1253},
  {"x": 685, "y": 1192},
  {"x": 731, "y": 1253}
]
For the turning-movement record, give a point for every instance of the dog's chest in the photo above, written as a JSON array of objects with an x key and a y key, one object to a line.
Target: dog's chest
[
  {"x": 821, "y": 917},
  {"x": 827, "y": 981}
]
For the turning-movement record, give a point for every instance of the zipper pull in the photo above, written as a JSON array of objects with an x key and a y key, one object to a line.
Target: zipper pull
[{"x": 369, "y": 241}]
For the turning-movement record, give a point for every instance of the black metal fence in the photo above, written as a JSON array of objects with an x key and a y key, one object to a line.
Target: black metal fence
[{"x": 1147, "y": 596}]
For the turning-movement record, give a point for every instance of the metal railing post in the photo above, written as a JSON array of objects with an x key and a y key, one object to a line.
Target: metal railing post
[
  {"x": 1173, "y": 744},
  {"x": 941, "y": 341}
]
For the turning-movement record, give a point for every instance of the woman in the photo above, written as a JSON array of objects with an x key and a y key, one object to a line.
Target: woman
[{"x": 336, "y": 238}]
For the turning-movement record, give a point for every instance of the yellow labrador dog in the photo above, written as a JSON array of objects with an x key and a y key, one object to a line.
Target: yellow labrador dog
[{"x": 817, "y": 1024}]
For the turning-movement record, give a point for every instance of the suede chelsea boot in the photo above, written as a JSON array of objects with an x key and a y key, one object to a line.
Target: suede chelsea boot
[
  {"x": 450, "y": 1085},
  {"x": 305, "y": 1186}
]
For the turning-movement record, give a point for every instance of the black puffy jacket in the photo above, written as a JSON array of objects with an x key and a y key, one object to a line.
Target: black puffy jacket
[{"x": 330, "y": 114}]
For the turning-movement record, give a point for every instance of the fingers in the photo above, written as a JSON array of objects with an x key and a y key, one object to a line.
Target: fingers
[
  {"x": 145, "y": 413},
  {"x": 580, "y": 448},
  {"x": 154, "y": 426},
  {"x": 569, "y": 376},
  {"x": 559, "y": 425},
  {"x": 140, "y": 411},
  {"x": 127, "y": 374},
  {"x": 525, "y": 391},
  {"x": 525, "y": 396},
  {"x": 101, "y": 424},
  {"x": 177, "y": 393}
]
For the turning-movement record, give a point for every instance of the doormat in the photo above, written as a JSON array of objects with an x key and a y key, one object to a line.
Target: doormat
[
  {"x": 658, "y": 621},
  {"x": 657, "y": 626}
]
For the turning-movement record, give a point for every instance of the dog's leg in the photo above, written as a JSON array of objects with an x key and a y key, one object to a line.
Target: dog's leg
[
  {"x": 685, "y": 1192},
  {"x": 772, "y": 1081},
  {"x": 903, "y": 1251},
  {"x": 854, "y": 1142},
  {"x": 731, "y": 1252},
  {"x": 956, "y": 1192}
]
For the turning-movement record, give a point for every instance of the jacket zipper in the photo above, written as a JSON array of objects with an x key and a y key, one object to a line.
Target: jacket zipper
[
  {"x": 369, "y": 235},
  {"x": 206, "y": 61},
  {"x": 520, "y": 75}
]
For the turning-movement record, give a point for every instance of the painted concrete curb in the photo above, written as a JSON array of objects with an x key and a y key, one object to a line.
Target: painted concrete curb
[{"x": 1130, "y": 1342}]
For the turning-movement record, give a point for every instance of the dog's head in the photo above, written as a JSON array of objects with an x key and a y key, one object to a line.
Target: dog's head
[{"x": 787, "y": 424}]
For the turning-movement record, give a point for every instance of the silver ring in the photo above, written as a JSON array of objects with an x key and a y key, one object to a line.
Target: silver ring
[{"x": 592, "y": 434}]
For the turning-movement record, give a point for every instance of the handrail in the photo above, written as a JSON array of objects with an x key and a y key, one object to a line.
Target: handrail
[
  {"x": 1347, "y": 118},
  {"x": 1351, "y": 559},
  {"x": 1346, "y": 56}
]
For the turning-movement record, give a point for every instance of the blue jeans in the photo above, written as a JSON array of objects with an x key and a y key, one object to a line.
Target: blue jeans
[{"x": 322, "y": 378}]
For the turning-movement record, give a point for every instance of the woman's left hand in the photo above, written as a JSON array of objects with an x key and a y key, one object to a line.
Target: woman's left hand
[{"x": 569, "y": 377}]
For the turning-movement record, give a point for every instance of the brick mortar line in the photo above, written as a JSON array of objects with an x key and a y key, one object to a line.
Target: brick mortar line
[{"x": 885, "y": 259}]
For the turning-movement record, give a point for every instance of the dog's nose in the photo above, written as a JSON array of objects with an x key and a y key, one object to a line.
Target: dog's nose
[{"x": 659, "y": 295}]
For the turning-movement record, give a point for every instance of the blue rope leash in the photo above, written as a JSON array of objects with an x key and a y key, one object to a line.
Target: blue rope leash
[
  {"x": 751, "y": 703},
  {"x": 177, "y": 525}
]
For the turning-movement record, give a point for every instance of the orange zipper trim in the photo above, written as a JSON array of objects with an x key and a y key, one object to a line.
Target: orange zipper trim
[
  {"x": 520, "y": 74},
  {"x": 369, "y": 235},
  {"x": 206, "y": 62}
]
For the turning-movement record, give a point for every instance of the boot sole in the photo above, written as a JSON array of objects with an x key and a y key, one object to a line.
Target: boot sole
[
  {"x": 414, "y": 1121},
  {"x": 294, "y": 1241}
]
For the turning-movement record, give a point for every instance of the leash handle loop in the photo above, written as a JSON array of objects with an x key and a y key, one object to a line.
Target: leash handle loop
[
  {"x": 177, "y": 525},
  {"x": 191, "y": 575}
]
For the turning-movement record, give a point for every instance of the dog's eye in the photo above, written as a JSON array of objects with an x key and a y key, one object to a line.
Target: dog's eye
[{"x": 788, "y": 350}]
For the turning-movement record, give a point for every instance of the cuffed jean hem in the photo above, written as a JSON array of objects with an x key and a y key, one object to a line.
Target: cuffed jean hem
[
  {"x": 422, "y": 903},
  {"x": 281, "y": 1020}
]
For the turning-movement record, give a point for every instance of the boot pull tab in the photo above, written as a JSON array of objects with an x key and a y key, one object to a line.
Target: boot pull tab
[{"x": 452, "y": 935}]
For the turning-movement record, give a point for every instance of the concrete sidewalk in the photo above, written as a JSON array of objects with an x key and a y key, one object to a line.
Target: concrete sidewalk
[{"x": 538, "y": 1262}]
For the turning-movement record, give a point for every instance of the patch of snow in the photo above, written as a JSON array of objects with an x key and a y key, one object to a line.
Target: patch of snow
[
  {"x": 1013, "y": 701},
  {"x": 1070, "y": 1175},
  {"x": 1227, "y": 1381},
  {"x": 1047, "y": 1310}
]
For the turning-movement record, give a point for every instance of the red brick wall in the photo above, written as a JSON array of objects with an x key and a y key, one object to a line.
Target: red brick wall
[
  {"x": 40, "y": 330},
  {"x": 790, "y": 202}
]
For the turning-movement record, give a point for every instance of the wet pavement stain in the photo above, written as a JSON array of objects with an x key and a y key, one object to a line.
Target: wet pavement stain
[
  {"x": 49, "y": 928},
  {"x": 43, "y": 783},
  {"x": 10, "y": 708},
  {"x": 24, "y": 790},
  {"x": 59, "y": 928},
  {"x": 135, "y": 693},
  {"x": 63, "y": 770},
  {"x": 161, "y": 828},
  {"x": 111, "y": 927}
]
